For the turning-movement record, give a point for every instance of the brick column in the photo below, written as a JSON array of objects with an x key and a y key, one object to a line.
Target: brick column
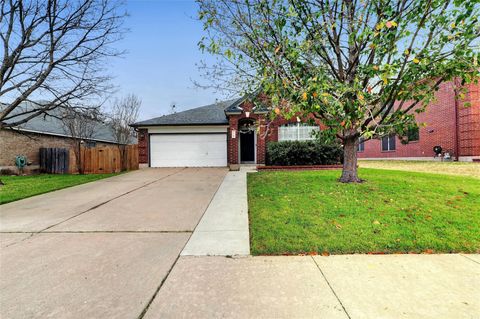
[
  {"x": 261, "y": 140},
  {"x": 232, "y": 144},
  {"x": 143, "y": 146}
]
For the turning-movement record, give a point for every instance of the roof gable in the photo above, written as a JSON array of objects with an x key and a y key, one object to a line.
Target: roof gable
[{"x": 213, "y": 114}]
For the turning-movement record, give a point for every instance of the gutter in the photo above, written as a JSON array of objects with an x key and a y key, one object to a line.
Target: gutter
[{"x": 57, "y": 134}]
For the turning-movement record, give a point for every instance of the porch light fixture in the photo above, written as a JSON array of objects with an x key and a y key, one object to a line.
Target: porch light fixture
[{"x": 247, "y": 114}]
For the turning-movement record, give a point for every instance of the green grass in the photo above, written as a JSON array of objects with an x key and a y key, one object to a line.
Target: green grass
[
  {"x": 19, "y": 187},
  {"x": 392, "y": 212}
]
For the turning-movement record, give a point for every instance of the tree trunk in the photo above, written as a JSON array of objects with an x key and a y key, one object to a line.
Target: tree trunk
[
  {"x": 77, "y": 150},
  {"x": 123, "y": 158},
  {"x": 349, "y": 172}
]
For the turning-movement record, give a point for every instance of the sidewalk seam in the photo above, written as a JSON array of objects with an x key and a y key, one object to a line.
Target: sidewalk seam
[
  {"x": 144, "y": 311},
  {"x": 331, "y": 288},
  {"x": 469, "y": 258}
]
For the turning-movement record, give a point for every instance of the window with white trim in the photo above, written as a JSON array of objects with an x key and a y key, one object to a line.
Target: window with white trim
[{"x": 297, "y": 132}]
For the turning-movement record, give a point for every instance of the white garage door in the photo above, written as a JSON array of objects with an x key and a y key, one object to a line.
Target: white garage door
[{"x": 180, "y": 150}]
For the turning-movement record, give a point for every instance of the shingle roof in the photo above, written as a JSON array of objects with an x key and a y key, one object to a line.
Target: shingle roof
[
  {"x": 213, "y": 114},
  {"x": 52, "y": 125}
]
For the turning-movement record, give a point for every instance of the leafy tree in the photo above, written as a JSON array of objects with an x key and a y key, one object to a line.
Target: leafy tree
[{"x": 363, "y": 67}]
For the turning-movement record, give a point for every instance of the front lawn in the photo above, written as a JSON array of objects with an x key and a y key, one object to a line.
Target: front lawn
[
  {"x": 392, "y": 212},
  {"x": 19, "y": 187}
]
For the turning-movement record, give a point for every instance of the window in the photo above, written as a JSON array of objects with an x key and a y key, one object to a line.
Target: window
[
  {"x": 297, "y": 132},
  {"x": 413, "y": 134},
  {"x": 388, "y": 143},
  {"x": 361, "y": 145}
]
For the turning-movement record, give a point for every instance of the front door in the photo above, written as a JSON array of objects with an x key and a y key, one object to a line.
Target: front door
[{"x": 247, "y": 147}]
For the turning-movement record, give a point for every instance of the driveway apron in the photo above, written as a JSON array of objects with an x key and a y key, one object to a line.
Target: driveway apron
[{"x": 99, "y": 250}]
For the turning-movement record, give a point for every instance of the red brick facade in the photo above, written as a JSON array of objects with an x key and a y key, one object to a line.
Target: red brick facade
[
  {"x": 449, "y": 124},
  {"x": 233, "y": 137},
  {"x": 143, "y": 146}
]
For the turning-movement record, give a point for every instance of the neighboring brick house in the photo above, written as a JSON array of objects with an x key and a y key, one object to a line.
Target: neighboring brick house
[
  {"x": 233, "y": 132},
  {"x": 40, "y": 132},
  {"x": 448, "y": 124}
]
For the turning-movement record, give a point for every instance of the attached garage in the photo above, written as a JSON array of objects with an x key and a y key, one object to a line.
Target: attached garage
[
  {"x": 188, "y": 150},
  {"x": 202, "y": 137}
]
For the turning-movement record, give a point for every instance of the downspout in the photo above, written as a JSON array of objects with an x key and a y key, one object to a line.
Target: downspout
[{"x": 457, "y": 133}]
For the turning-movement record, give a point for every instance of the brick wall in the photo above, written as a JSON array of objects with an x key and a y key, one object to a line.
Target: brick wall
[
  {"x": 143, "y": 146},
  {"x": 13, "y": 143},
  {"x": 233, "y": 143},
  {"x": 440, "y": 129}
]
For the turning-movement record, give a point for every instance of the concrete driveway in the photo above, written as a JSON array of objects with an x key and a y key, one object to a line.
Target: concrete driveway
[{"x": 113, "y": 241}]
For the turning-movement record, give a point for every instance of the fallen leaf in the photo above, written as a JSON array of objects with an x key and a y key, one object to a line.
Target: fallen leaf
[
  {"x": 325, "y": 253},
  {"x": 376, "y": 222}
]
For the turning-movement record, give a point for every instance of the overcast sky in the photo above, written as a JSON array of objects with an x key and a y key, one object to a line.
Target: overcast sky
[{"x": 162, "y": 53}]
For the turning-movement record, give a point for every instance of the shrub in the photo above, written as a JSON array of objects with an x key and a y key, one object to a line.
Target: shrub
[{"x": 289, "y": 153}]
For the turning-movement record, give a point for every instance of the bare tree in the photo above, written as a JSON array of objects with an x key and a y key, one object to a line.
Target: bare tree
[
  {"x": 81, "y": 127},
  {"x": 55, "y": 51},
  {"x": 124, "y": 112}
]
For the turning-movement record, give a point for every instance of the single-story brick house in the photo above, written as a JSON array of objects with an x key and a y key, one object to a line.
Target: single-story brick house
[
  {"x": 43, "y": 131},
  {"x": 233, "y": 132}
]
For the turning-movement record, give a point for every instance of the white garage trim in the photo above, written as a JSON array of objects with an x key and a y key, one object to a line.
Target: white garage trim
[
  {"x": 192, "y": 149},
  {"x": 187, "y": 129}
]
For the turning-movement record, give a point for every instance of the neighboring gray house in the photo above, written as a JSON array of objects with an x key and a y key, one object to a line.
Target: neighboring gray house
[{"x": 44, "y": 131}]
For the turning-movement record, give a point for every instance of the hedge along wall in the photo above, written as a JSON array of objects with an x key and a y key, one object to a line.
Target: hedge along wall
[{"x": 291, "y": 153}]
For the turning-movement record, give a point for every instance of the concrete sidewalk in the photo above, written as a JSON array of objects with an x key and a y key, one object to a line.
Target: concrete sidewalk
[
  {"x": 347, "y": 287},
  {"x": 223, "y": 229}
]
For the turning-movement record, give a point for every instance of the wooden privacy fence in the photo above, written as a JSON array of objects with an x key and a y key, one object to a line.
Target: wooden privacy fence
[
  {"x": 94, "y": 160},
  {"x": 54, "y": 160},
  {"x": 98, "y": 160}
]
